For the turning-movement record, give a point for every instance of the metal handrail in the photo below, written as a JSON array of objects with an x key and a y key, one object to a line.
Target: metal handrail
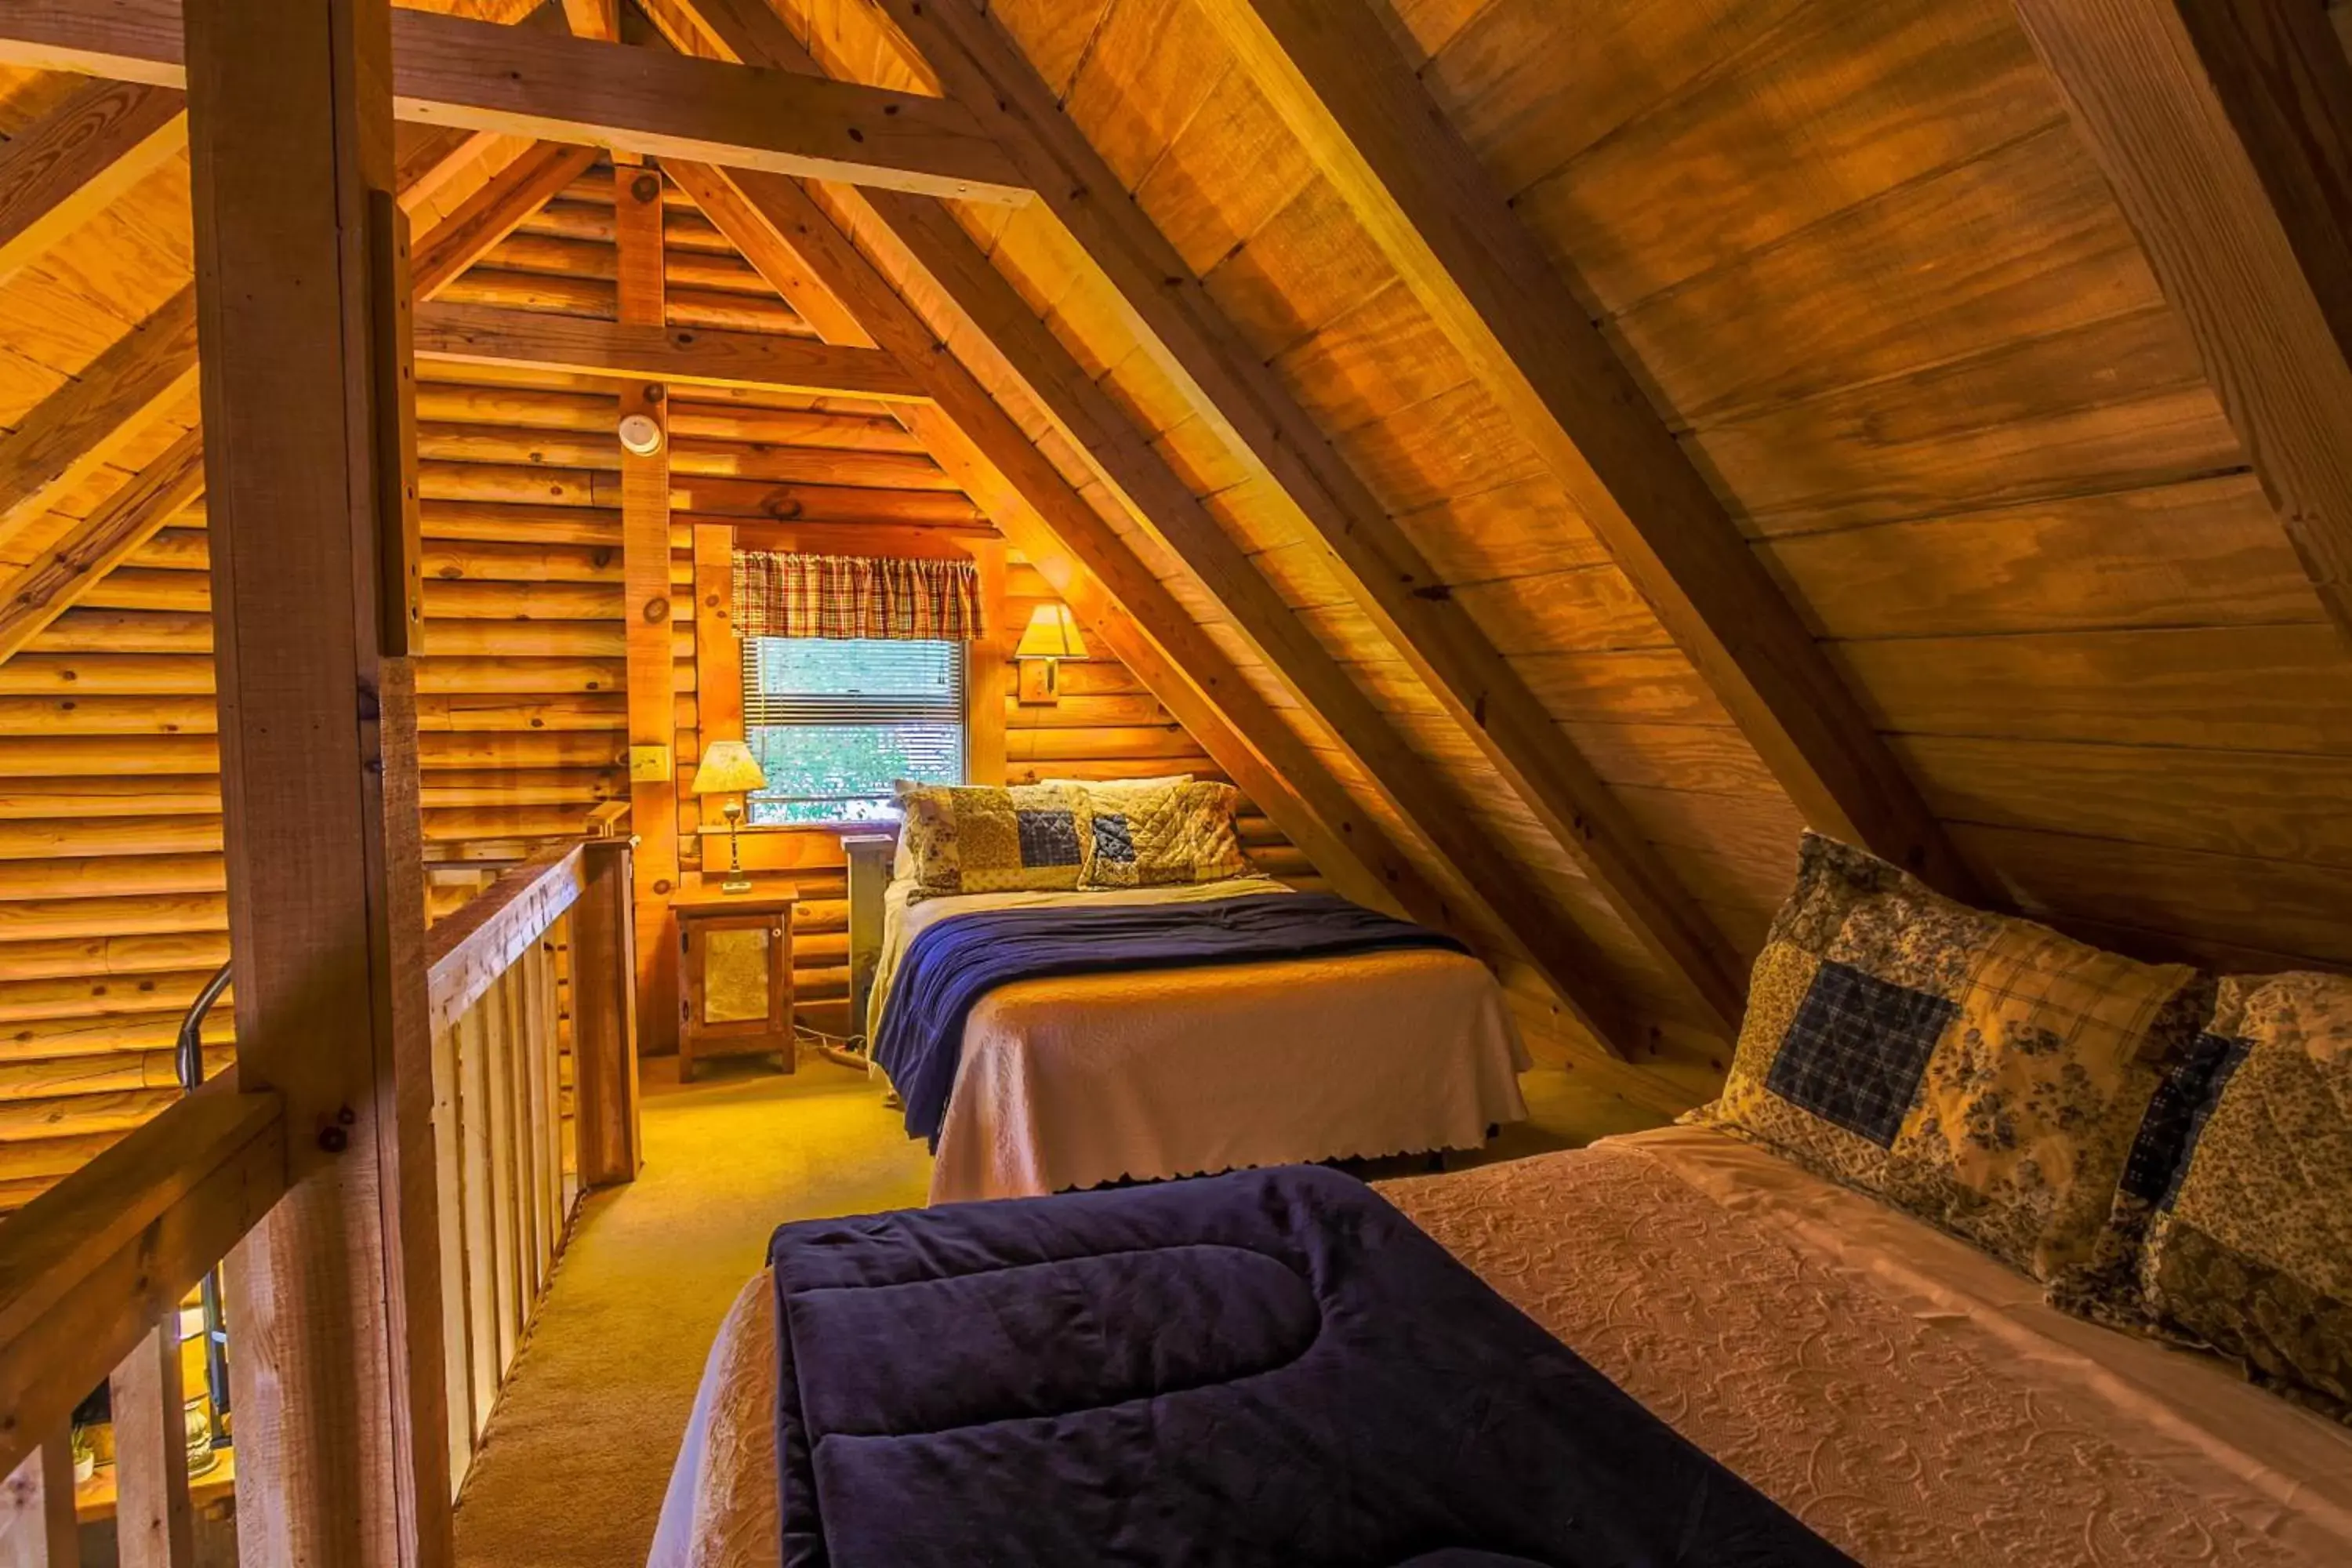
[{"x": 190, "y": 1051}]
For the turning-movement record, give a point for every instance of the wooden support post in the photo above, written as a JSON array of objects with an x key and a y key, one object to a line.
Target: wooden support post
[
  {"x": 604, "y": 1018},
  {"x": 301, "y": 263},
  {"x": 154, "y": 1527},
  {"x": 37, "y": 1510},
  {"x": 644, "y": 570}
]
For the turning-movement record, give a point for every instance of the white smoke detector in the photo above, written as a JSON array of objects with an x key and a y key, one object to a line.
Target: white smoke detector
[{"x": 641, "y": 434}]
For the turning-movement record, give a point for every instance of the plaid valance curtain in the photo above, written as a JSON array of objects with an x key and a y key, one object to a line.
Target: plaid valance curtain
[{"x": 781, "y": 595}]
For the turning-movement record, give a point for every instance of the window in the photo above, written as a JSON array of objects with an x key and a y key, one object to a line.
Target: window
[{"x": 832, "y": 721}]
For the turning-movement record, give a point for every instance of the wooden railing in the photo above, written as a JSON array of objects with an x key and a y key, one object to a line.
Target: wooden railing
[
  {"x": 535, "y": 971},
  {"x": 92, "y": 1276},
  {"x": 509, "y": 1162}
]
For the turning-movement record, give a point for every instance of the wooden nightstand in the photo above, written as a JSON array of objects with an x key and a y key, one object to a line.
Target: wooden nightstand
[{"x": 735, "y": 980}]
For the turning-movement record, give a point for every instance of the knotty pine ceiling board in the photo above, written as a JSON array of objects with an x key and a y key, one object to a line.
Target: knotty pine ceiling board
[
  {"x": 1838, "y": 104},
  {"x": 2274, "y": 689},
  {"x": 2021, "y": 244},
  {"x": 2297, "y": 913},
  {"x": 1371, "y": 362},
  {"x": 2254, "y": 805},
  {"x": 1529, "y": 94},
  {"x": 2116, "y": 403},
  {"x": 2205, "y": 553},
  {"x": 1058, "y": 35},
  {"x": 1306, "y": 266},
  {"x": 1151, "y": 68}
]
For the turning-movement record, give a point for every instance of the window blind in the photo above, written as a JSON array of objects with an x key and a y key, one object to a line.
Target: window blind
[{"x": 834, "y": 721}]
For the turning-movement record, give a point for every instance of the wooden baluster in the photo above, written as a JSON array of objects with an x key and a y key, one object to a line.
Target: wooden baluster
[
  {"x": 546, "y": 1109},
  {"x": 457, "y": 1319},
  {"x": 498, "y": 1072},
  {"x": 37, "y": 1510},
  {"x": 516, "y": 983},
  {"x": 481, "y": 1242},
  {"x": 154, "y": 1524}
]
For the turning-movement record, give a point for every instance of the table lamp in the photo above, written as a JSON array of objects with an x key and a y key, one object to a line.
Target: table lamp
[
  {"x": 1053, "y": 637},
  {"x": 729, "y": 768}
]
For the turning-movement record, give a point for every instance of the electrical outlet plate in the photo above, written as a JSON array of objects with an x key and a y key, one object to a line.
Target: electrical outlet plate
[{"x": 649, "y": 764}]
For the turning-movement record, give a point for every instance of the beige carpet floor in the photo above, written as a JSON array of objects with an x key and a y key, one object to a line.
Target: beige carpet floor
[{"x": 579, "y": 1449}]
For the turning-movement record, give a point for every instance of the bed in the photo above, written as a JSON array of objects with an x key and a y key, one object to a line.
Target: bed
[
  {"x": 1082, "y": 1079},
  {"x": 1908, "y": 1399},
  {"x": 1995, "y": 1247}
]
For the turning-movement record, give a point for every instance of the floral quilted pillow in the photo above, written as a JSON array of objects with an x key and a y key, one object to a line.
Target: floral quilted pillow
[
  {"x": 1162, "y": 837},
  {"x": 1984, "y": 1073},
  {"x": 2250, "y": 1248},
  {"x": 962, "y": 839}
]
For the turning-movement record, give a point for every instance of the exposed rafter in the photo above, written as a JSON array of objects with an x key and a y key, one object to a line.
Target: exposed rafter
[
  {"x": 768, "y": 214},
  {"x": 492, "y": 213},
  {"x": 485, "y": 334},
  {"x": 137, "y": 379},
  {"x": 592, "y": 18},
  {"x": 84, "y": 422},
  {"x": 841, "y": 294},
  {"x": 89, "y": 150},
  {"x": 101, "y": 542},
  {"x": 529, "y": 81},
  {"x": 1235, "y": 392},
  {"x": 2225, "y": 130},
  {"x": 1336, "y": 79}
]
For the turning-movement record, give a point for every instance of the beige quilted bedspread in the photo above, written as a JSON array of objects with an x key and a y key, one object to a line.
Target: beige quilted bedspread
[{"x": 1905, "y": 1395}]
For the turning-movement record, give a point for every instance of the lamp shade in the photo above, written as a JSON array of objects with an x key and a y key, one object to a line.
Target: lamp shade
[
  {"x": 728, "y": 767},
  {"x": 1053, "y": 634}
]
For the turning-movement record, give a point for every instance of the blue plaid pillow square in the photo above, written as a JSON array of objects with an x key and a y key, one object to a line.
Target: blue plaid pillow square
[
  {"x": 1856, "y": 1050},
  {"x": 2174, "y": 1113},
  {"x": 1114, "y": 839},
  {"x": 1049, "y": 839}
]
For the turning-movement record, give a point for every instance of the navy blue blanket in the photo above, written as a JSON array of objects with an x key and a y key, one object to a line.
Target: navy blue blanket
[
  {"x": 1262, "y": 1368},
  {"x": 948, "y": 968}
]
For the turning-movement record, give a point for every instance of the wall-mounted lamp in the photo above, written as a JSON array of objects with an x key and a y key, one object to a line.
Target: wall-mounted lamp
[
  {"x": 641, "y": 434},
  {"x": 729, "y": 768},
  {"x": 1053, "y": 637}
]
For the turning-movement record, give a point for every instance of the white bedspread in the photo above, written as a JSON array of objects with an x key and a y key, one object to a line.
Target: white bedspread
[
  {"x": 1076, "y": 1081},
  {"x": 1907, "y": 1397}
]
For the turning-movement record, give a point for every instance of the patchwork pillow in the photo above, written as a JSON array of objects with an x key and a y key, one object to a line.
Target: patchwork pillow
[
  {"x": 962, "y": 839},
  {"x": 2250, "y": 1249},
  {"x": 1984, "y": 1073},
  {"x": 1163, "y": 835}
]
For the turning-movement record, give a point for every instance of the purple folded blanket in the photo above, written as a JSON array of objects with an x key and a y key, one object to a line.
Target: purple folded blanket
[{"x": 1270, "y": 1367}]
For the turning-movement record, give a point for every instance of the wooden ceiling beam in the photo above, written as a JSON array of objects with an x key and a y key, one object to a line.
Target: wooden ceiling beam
[
  {"x": 429, "y": 156},
  {"x": 484, "y": 334},
  {"x": 594, "y": 18},
  {"x": 546, "y": 85},
  {"x": 58, "y": 173},
  {"x": 823, "y": 273},
  {"x": 101, "y": 542},
  {"x": 1339, "y": 81},
  {"x": 137, "y": 379},
  {"x": 1237, "y": 394},
  {"x": 494, "y": 212},
  {"x": 2225, "y": 132},
  {"x": 121, "y": 392}
]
